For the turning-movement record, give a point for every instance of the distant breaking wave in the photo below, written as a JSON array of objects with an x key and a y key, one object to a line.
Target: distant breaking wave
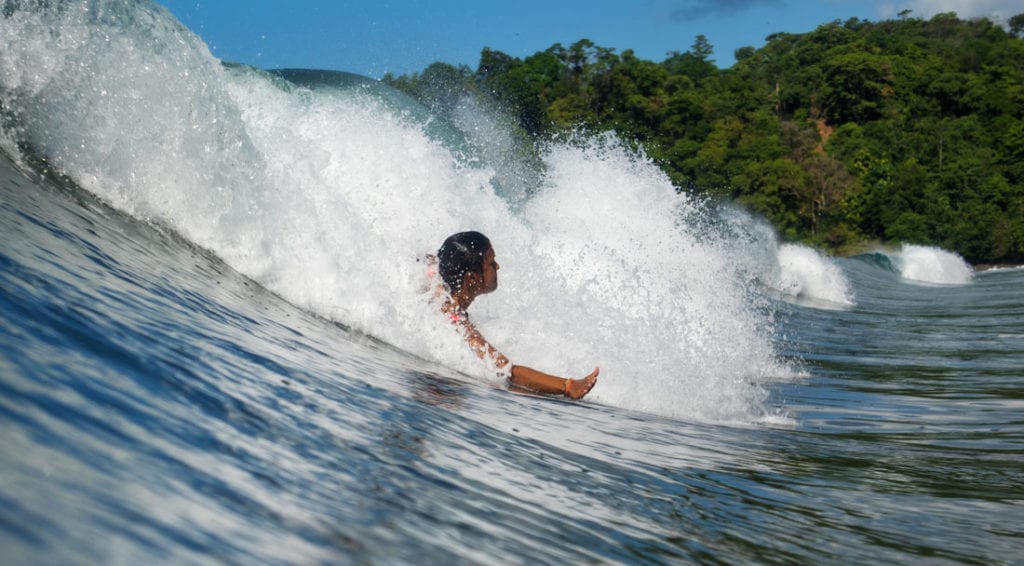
[
  {"x": 807, "y": 273},
  {"x": 933, "y": 265},
  {"x": 923, "y": 264}
]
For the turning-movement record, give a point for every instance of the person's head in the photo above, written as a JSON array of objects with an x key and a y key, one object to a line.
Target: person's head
[{"x": 466, "y": 260}]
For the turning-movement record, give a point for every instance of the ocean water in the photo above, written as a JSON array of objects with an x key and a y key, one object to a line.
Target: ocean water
[{"x": 216, "y": 347}]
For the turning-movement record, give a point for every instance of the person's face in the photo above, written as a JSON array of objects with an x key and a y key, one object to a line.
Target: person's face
[{"x": 490, "y": 275}]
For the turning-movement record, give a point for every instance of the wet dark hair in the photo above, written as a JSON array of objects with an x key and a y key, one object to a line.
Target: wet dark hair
[{"x": 460, "y": 254}]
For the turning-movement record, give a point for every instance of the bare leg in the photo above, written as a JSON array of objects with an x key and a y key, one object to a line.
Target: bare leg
[{"x": 528, "y": 379}]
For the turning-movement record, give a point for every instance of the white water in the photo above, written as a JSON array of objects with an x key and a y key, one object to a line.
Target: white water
[
  {"x": 927, "y": 264},
  {"x": 328, "y": 198},
  {"x": 792, "y": 272},
  {"x": 807, "y": 273}
]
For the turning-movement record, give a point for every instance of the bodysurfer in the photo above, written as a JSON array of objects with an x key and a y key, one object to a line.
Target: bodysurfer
[{"x": 467, "y": 267}]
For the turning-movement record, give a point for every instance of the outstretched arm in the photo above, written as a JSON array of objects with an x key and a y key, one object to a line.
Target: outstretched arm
[{"x": 524, "y": 378}]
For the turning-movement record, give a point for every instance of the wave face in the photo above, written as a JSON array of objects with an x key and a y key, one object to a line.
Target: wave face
[{"x": 327, "y": 194}]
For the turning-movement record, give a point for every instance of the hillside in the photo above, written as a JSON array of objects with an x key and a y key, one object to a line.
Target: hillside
[{"x": 904, "y": 130}]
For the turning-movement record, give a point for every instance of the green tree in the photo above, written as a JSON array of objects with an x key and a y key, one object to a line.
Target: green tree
[
  {"x": 1017, "y": 25},
  {"x": 857, "y": 83},
  {"x": 695, "y": 63},
  {"x": 825, "y": 190},
  {"x": 772, "y": 188}
]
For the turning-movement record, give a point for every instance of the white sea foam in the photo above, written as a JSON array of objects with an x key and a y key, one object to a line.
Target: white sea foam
[
  {"x": 809, "y": 274},
  {"x": 328, "y": 197},
  {"x": 792, "y": 272},
  {"x": 932, "y": 265}
]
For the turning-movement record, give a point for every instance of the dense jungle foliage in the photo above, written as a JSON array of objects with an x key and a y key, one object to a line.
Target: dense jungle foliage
[{"x": 905, "y": 130}]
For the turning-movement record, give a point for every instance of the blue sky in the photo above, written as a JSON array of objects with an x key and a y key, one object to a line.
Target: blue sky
[{"x": 403, "y": 36}]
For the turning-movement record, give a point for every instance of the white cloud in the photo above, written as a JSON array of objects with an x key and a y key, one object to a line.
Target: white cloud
[{"x": 996, "y": 10}]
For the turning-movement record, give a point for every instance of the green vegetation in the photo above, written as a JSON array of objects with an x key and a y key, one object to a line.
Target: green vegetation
[{"x": 905, "y": 130}]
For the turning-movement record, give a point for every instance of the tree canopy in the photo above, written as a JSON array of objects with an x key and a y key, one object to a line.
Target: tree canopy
[{"x": 906, "y": 130}]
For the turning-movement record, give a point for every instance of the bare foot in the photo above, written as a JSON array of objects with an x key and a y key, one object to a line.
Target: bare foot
[{"x": 577, "y": 388}]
